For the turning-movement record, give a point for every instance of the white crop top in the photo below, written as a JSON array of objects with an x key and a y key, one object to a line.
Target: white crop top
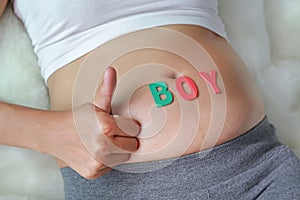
[{"x": 62, "y": 30}]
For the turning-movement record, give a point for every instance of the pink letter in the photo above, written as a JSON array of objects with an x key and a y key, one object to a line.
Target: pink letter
[
  {"x": 179, "y": 85},
  {"x": 211, "y": 80}
]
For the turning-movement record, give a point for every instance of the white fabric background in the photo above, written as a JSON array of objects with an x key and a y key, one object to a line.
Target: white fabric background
[{"x": 264, "y": 32}]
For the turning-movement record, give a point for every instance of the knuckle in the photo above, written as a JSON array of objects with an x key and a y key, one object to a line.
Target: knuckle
[
  {"x": 90, "y": 176},
  {"x": 107, "y": 127},
  {"x": 92, "y": 170},
  {"x": 92, "y": 163},
  {"x": 95, "y": 165}
]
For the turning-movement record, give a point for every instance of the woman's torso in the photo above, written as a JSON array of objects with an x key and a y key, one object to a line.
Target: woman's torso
[
  {"x": 60, "y": 34},
  {"x": 239, "y": 102}
]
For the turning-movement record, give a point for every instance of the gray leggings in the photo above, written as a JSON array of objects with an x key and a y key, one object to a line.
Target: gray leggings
[{"x": 252, "y": 166}]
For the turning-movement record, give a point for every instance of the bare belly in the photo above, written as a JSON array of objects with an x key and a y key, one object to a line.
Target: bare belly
[{"x": 183, "y": 126}]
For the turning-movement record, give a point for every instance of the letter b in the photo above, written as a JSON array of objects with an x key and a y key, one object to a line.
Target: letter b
[{"x": 161, "y": 88}]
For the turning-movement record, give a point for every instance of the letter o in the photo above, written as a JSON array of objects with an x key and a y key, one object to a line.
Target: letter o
[{"x": 179, "y": 85}]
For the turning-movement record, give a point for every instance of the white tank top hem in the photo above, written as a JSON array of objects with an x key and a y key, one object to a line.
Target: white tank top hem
[{"x": 54, "y": 55}]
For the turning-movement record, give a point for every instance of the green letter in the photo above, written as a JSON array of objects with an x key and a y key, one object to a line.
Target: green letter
[{"x": 161, "y": 88}]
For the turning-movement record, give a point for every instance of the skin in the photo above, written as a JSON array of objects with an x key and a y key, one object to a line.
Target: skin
[
  {"x": 54, "y": 132},
  {"x": 242, "y": 96},
  {"x": 3, "y": 4},
  {"x": 58, "y": 136}
]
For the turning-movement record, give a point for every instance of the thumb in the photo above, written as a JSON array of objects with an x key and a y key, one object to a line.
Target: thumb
[{"x": 105, "y": 92}]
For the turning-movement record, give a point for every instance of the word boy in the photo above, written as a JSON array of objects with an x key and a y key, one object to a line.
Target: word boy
[{"x": 161, "y": 88}]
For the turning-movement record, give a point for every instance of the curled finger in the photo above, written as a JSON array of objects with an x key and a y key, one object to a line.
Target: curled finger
[
  {"x": 128, "y": 127},
  {"x": 125, "y": 144}
]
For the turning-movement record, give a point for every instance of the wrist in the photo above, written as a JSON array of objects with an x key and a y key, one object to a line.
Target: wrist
[
  {"x": 44, "y": 131},
  {"x": 54, "y": 130}
]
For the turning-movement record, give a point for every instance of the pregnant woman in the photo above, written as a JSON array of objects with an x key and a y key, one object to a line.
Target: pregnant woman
[{"x": 190, "y": 145}]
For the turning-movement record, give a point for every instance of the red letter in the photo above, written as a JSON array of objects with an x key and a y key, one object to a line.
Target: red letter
[
  {"x": 179, "y": 85},
  {"x": 212, "y": 80}
]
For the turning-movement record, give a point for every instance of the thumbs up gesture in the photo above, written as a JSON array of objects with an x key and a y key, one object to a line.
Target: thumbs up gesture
[{"x": 92, "y": 145}]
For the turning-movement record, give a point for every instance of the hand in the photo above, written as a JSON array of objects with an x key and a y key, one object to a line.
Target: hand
[{"x": 91, "y": 146}]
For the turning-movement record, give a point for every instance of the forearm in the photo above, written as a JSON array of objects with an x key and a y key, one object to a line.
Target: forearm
[
  {"x": 2, "y": 6},
  {"x": 26, "y": 127}
]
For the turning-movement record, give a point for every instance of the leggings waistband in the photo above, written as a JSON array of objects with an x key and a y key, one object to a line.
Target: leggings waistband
[
  {"x": 239, "y": 169},
  {"x": 264, "y": 132}
]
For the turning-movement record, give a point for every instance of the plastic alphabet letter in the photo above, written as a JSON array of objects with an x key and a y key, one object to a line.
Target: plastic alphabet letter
[
  {"x": 179, "y": 85},
  {"x": 211, "y": 80},
  {"x": 161, "y": 88}
]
